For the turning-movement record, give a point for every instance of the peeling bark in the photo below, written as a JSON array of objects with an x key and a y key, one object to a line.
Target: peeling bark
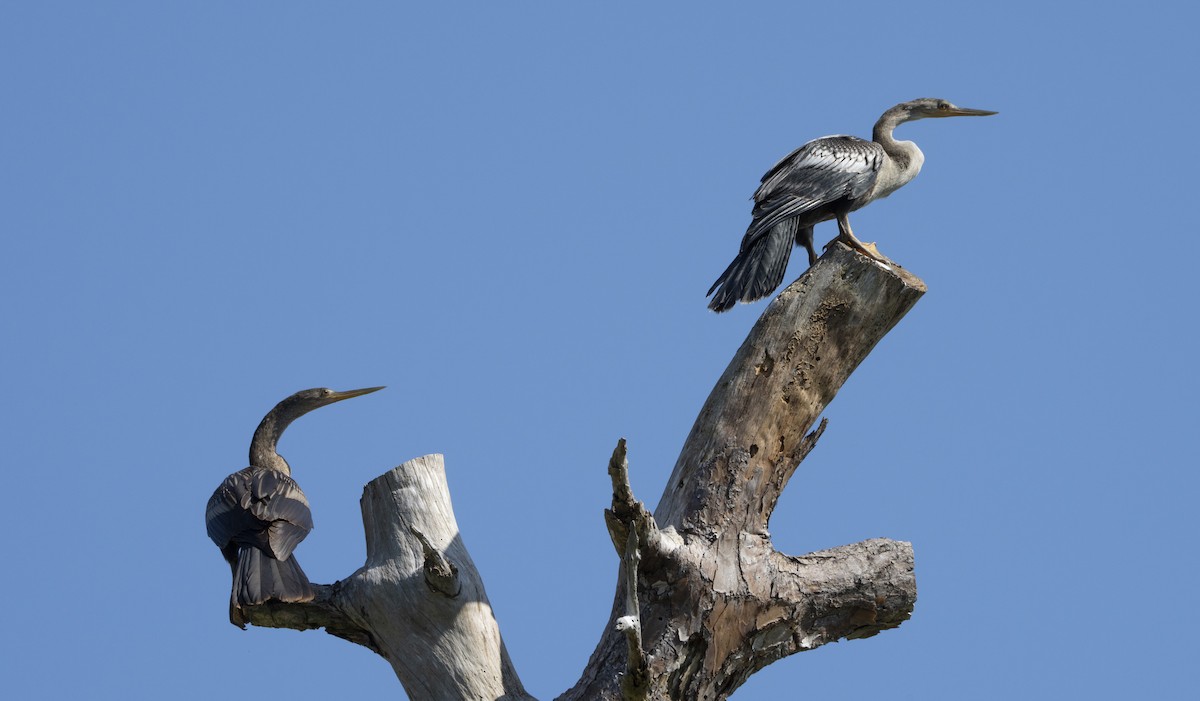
[{"x": 719, "y": 602}]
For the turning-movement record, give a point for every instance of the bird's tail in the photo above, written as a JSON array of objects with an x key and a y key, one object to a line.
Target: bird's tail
[
  {"x": 758, "y": 268},
  {"x": 259, "y": 578}
]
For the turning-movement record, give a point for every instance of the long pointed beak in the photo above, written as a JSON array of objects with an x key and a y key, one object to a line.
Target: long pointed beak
[
  {"x": 965, "y": 112},
  {"x": 348, "y": 394}
]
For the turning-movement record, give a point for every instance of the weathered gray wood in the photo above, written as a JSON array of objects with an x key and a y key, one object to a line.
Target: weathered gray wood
[
  {"x": 418, "y": 601},
  {"x": 634, "y": 681},
  {"x": 718, "y": 601},
  {"x": 713, "y": 600}
]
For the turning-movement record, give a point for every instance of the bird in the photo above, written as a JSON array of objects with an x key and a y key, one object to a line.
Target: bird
[
  {"x": 258, "y": 515},
  {"x": 826, "y": 178}
]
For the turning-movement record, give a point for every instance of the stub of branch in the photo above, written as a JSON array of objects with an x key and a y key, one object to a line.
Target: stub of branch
[
  {"x": 635, "y": 682},
  {"x": 850, "y": 592},
  {"x": 626, "y": 512},
  {"x": 322, "y": 612},
  {"x": 440, "y": 574}
]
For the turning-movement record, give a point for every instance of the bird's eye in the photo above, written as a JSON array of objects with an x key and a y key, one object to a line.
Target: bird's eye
[{"x": 943, "y": 105}]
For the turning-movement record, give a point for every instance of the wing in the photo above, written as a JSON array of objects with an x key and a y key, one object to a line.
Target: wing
[
  {"x": 279, "y": 501},
  {"x": 225, "y": 516},
  {"x": 819, "y": 174},
  {"x": 260, "y": 508}
]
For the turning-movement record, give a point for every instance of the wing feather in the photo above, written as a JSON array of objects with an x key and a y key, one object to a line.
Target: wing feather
[
  {"x": 822, "y": 172},
  {"x": 261, "y": 508}
]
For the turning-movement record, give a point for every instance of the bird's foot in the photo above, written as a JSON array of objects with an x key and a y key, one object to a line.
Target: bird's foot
[
  {"x": 867, "y": 249},
  {"x": 871, "y": 250}
]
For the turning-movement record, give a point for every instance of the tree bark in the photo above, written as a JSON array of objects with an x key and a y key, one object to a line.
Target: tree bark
[
  {"x": 703, "y": 599},
  {"x": 719, "y": 602}
]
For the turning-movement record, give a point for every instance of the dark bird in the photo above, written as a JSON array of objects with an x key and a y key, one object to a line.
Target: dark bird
[
  {"x": 827, "y": 178},
  {"x": 258, "y": 515}
]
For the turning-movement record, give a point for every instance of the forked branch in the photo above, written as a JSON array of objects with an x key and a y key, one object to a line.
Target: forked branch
[{"x": 724, "y": 602}]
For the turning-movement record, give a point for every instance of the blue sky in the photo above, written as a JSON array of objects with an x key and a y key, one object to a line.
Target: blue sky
[{"x": 509, "y": 216}]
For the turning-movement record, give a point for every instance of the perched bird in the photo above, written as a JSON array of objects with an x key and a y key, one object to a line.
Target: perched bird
[
  {"x": 258, "y": 515},
  {"x": 827, "y": 178}
]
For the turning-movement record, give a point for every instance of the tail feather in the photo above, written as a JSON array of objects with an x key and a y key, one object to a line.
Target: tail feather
[
  {"x": 757, "y": 270},
  {"x": 259, "y": 578}
]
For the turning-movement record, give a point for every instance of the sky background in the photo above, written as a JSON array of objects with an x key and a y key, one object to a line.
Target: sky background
[{"x": 510, "y": 216}]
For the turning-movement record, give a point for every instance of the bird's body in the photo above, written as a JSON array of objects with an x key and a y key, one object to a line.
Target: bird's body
[
  {"x": 258, "y": 515},
  {"x": 826, "y": 178}
]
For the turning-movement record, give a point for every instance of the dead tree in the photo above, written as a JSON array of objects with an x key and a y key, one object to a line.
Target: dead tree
[{"x": 703, "y": 599}]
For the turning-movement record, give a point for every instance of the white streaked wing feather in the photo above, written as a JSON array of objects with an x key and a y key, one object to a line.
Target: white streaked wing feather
[{"x": 823, "y": 167}]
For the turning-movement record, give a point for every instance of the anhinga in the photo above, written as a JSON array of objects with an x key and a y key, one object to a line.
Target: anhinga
[
  {"x": 827, "y": 178},
  {"x": 258, "y": 515}
]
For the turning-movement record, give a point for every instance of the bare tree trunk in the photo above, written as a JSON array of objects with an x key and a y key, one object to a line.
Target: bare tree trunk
[
  {"x": 703, "y": 599},
  {"x": 418, "y": 601}
]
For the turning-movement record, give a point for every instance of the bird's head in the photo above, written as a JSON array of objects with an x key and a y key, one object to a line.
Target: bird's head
[
  {"x": 306, "y": 400},
  {"x": 934, "y": 107}
]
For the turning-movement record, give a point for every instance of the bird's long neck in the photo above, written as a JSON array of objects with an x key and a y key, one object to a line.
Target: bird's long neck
[
  {"x": 263, "y": 452},
  {"x": 906, "y": 157},
  {"x": 882, "y": 135}
]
